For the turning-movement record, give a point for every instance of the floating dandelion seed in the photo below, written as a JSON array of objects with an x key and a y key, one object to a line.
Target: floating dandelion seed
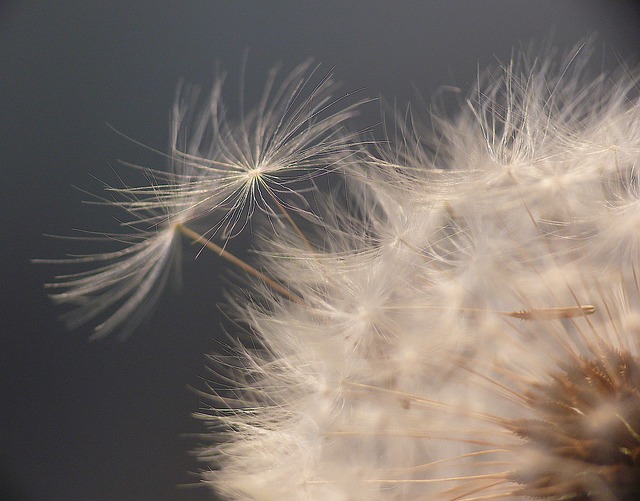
[
  {"x": 294, "y": 134},
  {"x": 223, "y": 173},
  {"x": 122, "y": 286},
  {"x": 127, "y": 286}
]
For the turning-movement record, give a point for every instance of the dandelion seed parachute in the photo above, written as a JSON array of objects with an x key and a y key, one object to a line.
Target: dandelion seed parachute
[
  {"x": 130, "y": 282},
  {"x": 220, "y": 172},
  {"x": 120, "y": 287},
  {"x": 295, "y": 133}
]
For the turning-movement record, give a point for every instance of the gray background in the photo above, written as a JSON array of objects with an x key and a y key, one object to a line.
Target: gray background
[{"x": 108, "y": 420}]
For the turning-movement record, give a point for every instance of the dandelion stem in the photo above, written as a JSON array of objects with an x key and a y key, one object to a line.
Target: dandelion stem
[{"x": 196, "y": 237}]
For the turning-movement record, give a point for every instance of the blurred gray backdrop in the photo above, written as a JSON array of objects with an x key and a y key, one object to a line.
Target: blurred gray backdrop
[{"x": 109, "y": 420}]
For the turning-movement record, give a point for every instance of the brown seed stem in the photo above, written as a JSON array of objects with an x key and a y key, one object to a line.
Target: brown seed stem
[
  {"x": 196, "y": 237},
  {"x": 292, "y": 223}
]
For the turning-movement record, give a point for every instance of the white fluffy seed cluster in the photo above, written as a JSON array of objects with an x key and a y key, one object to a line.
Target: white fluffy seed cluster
[
  {"x": 451, "y": 288},
  {"x": 459, "y": 272}
]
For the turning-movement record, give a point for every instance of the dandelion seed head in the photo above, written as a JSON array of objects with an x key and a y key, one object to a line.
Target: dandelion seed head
[
  {"x": 458, "y": 319},
  {"x": 586, "y": 431},
  {"x": 464, "y": 310}
]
